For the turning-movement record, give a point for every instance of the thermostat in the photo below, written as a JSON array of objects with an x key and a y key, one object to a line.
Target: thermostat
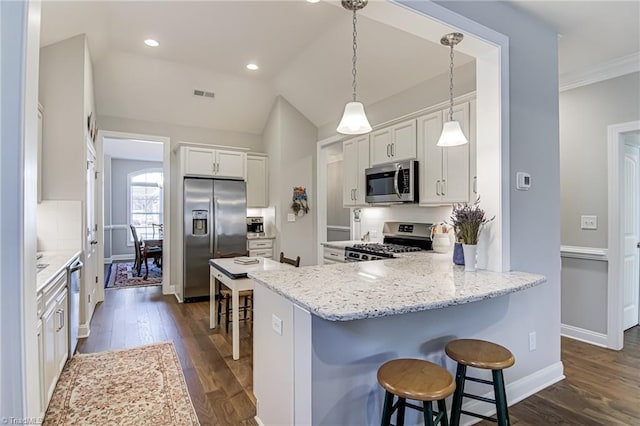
[{"x": 523, "y": 181}]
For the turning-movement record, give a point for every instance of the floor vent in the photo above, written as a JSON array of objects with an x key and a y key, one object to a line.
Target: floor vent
[{"x": 203, "y": 93}]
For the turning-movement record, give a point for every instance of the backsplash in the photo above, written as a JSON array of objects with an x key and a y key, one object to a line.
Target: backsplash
[
  {"x": 59, "y": 225},
  {"x": 372, "y": 218}
]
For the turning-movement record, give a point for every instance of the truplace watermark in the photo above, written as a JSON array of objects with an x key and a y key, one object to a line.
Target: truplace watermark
[{"x": 21, "y": 421}]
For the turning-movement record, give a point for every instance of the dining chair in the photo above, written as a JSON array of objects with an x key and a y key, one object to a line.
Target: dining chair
[
  {"x": 293, "y": 262},
  {"x": 151, "y": 249},
  {"x": 137, "y": 247}
]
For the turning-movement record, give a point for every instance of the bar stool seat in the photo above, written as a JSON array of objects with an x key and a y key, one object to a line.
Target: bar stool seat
[
  {"x": 418, "y": 380},
  {"x": 485, "y": 355},
  {"x": 480, "y": 354}
]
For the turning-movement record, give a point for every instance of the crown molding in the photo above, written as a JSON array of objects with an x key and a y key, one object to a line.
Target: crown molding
[{"x": 605, "y": 71}]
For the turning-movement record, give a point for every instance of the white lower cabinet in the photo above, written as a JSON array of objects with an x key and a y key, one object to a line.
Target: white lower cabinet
[
  {"x": 444, "y": 172},
  {"x": 262, "y": 247},
  {"x": 332, "y": 255},
  {"x": 53, "y": 336}
]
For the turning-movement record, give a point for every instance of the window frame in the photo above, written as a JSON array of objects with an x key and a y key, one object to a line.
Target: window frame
[{"x": 130, "y": 177}]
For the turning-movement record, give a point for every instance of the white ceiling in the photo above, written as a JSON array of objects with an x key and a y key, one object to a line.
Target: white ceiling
[{"x": 303, "y": 49}]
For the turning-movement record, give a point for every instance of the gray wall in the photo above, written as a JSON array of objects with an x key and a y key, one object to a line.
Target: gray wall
[
  {"x": 120, "y": 170},
  {"x": 584, "y": 294},
  {"x": 290, "y": 140},
  {"x": 585, "y": 113},
  {"x": 425, "y": 94},
  {"x": 533, "y": 147}
]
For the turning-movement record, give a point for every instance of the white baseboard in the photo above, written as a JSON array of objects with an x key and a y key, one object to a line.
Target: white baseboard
[
  {"x": 83, "y": 331},
  {"x": 108, "y": 261},
  {"x": 517, "y": 391},
  {"x": 584, "y": 335},
  {"x": 123, "y": 257}
]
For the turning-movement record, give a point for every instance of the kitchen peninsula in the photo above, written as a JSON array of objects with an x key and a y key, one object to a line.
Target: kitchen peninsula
[{"x": 321, "y": 332}]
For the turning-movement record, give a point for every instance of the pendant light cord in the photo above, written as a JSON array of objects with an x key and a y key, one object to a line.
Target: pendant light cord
[
  {"x": 354, "y": 71},
  {"x": 451, "y": 85}
]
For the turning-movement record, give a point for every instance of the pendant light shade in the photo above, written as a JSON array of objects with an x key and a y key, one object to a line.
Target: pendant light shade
[
  {"x": 451, "y": 132},
  {"x": 354, "y": 120},
  {"x": 452, "y": 135}
]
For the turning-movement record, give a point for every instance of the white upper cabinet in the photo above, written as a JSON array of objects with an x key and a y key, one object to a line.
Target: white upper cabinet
[
  {"x": 355, "y": 154},
  {"x": 444, "y": 172},
  {"x": 257, "y": 181},
  {"x": 394, "y": 143},
  {"x": 214, "y": 163}
]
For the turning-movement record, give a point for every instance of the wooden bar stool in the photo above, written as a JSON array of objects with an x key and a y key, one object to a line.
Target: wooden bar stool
[
  {"x": 486, "y": 355},
  {"x": 417, "y": 380}
]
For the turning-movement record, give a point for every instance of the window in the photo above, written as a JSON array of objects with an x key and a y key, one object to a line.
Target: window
[{"x": 145, "y": 202}]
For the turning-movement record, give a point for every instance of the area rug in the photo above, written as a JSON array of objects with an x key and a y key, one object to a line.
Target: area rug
[
  {"x": 139, "y": 386},
  {"x": 123, "y": 275}
]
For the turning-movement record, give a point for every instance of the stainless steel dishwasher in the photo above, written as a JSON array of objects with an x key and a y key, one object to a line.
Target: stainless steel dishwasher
[{"x": 74, "y": 304}]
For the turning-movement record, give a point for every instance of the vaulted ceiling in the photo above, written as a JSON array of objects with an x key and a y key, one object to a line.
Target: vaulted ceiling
[{"x": 303, "y": 50}]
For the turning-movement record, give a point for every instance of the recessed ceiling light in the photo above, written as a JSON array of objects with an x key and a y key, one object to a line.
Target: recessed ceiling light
[
  {"x": 252, "y": 67},
  {"x": 151, "y": 42},
  {"x": 313, "y": 1}
]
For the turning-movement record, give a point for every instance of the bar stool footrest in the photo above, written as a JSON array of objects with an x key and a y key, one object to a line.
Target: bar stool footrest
[
  {"x": 480, "y": 416},
  {"x": 475, "y": 379},
  {"x": 480, "y": 398}
]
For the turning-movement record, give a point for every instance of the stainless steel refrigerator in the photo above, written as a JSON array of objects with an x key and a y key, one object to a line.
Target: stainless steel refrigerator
[{"x": 215, "y": 213}]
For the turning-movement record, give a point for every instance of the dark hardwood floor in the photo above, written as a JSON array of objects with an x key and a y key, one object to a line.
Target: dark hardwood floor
[{"x": 602, "y": 386}]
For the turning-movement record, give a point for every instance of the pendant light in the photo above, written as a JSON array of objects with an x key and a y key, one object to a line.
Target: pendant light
[
  {"x": 451, "y": 132},
  {"x": 354, "y": 120}
]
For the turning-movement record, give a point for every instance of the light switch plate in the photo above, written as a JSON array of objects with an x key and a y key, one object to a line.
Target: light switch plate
[
  {"x": 276, "y": 324},
  {"x": 291, "y": 217},
  {"x": 589, "y": 222}
]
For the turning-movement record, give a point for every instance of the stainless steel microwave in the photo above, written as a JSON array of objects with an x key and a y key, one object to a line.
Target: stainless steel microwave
[{"x": 393, "y": 183}]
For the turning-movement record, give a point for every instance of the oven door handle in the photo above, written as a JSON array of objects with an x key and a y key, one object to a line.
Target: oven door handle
[{"x": 395, "y": 180}]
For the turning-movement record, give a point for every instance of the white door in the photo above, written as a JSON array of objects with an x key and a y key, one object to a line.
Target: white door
[
  {"x": 349, "y": 172},
  {"x": 381, "y": 146},
  {"x": 630, "y": 225},
  {"x": 362, "y": 166},
  {"x": 403, "y": 145},
  {"x": 429, "y": 129},
  {"x": 230, "y": 164},
  {"x": 200, "y": 161},
  {"x": 455, "y": 161},
  {"x": 90, "y": 270}
]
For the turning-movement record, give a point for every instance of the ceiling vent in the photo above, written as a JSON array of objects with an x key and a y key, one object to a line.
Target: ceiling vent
[{"x": 204, "y": 93}]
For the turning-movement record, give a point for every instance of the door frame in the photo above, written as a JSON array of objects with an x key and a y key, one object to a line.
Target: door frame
[
  {"x": 167, "y": 288},
  {"x": 615, "y": 143}
]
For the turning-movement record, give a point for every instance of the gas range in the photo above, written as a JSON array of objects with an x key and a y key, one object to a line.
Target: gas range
[{"x": 399, "y": 237}]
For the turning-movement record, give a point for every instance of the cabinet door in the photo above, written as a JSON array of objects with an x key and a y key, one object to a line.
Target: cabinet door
[
  {"x": 455, "y": 160},
  {"x": 429, "y": 128},
  {"x": 39, "y": 333},
  {"x": 403, "y": 145},
  {"x": 349, "y": 171},
  {"x": 49, "y": 364},
  {"x": 363, "y": 164},
  {"x": 257, "y": 181},
  {"x": 199, "y": 161},
  {"x": 62, "y": 330},
  {"x": 230, "y": 164},
  {"x": 381, "y": 146},
  {"x": 473, "y": 177}
]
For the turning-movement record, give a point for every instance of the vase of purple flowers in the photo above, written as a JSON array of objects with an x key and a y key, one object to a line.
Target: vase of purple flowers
[{"x": 468, "y": 220}]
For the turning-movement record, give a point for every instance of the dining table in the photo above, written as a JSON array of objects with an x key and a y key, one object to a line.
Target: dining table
[{"x": 234, "y": 276}]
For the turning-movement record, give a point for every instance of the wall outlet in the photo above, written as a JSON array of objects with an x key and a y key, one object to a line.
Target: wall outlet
[
  {"x": 276, "y": 324},
  {"x": 532, "y": 341},
  {"x": 589, "y": 222},
  {"x": 291, "y": 217}
]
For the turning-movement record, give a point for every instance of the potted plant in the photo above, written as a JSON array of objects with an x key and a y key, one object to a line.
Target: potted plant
[{"x": 468, "y": 220}]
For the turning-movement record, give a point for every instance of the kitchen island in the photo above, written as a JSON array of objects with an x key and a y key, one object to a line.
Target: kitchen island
[{"x": 321, "y": 332}]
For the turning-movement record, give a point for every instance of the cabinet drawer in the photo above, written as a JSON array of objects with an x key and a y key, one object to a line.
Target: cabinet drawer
[
  {"x": 260, "y": 244},
  {"x": 268, "y": 253},
  {"x": 52, "y": 290},
  {"x": 333, "y": 254}
]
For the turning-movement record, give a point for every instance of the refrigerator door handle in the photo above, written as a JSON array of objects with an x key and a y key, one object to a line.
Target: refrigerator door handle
[
  {"x": 215, "y": 216},
  {"x": 211, "y": 229}
]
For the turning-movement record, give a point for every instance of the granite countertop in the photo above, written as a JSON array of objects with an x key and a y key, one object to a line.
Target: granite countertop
[
  {"x": 410, "y": 283},
  {"x": 57, "y": 261}
]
